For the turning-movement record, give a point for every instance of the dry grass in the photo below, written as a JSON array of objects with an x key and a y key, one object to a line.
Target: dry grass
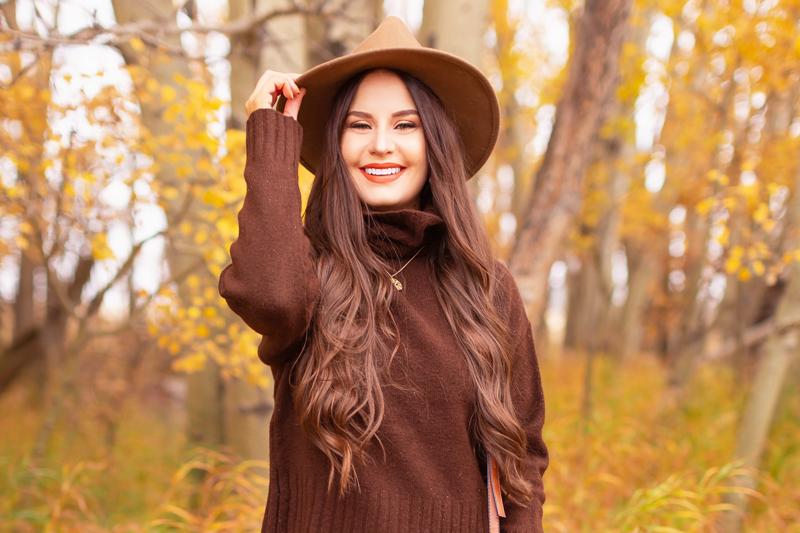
[{"x": 634, "y": 467}]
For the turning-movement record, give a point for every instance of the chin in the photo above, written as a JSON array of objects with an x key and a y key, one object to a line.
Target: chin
[{"x": 387, "y": 205}]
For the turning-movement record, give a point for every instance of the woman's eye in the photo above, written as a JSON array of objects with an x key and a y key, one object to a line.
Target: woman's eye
[
  {"x": 406, "y": 125},
  {"x": 359, "y": 125}
]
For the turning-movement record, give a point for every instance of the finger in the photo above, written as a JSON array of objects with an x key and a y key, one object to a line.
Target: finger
[
  {"x": 263, "y": 79},
  {"x": 287, "y": 90},
  {"x": 292, "y": 107}
]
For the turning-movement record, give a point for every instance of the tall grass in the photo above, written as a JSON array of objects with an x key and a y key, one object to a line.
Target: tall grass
[{"x": 634, "y": 466}]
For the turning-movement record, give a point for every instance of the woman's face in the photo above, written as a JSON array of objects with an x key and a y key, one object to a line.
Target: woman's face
[{"x": 383, "y": 144}]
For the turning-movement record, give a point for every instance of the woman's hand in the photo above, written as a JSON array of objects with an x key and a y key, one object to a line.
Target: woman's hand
[{"x": 269, "y": 86}]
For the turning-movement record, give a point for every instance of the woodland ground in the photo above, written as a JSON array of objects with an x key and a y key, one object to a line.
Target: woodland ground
[{"x": 633, "y": 467}]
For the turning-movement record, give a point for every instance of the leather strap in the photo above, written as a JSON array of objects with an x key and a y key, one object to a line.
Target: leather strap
[{"x": 496, "y": 509}]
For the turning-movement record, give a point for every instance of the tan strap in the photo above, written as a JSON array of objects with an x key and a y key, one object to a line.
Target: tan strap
[{"x": 496, "y": 509}]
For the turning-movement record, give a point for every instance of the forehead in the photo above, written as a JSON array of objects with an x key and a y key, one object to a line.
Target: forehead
[{"x": 382, "y": 90}]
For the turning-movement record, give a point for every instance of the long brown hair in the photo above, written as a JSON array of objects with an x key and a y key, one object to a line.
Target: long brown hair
[{"x": 338, "y": 396}]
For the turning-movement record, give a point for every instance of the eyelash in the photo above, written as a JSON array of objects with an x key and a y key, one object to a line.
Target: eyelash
[{"x": 362, "y": 125}]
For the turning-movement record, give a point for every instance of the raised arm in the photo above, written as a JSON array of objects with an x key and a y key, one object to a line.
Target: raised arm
[
  {"x": 270, "y": 282},
  {"x": 528, "y": 398}
]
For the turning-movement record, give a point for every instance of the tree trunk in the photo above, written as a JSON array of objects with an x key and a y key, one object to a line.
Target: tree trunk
[
  {"x": 643, "y": 269},
  {"x": 557, "y": 194},
  {"x": 783, "y": 347},
  {"x": 204, "y": 429},
  {"x": 330, "y": 37},
  {"x": 455, "y": 26}
]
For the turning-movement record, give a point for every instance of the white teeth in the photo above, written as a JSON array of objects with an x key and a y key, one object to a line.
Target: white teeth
[{"x": 382, "y": 171}]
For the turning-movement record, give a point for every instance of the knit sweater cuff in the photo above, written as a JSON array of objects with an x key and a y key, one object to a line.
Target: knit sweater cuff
[{"x": 272, "y": 136}]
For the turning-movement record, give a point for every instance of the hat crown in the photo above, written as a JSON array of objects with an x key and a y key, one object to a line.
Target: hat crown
[{"x": 391, "y": 33}]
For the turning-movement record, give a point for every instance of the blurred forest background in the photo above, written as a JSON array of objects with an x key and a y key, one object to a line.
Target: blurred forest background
[{"x": 645, "y": 193}]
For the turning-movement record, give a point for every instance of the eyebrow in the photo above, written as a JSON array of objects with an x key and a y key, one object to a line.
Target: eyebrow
[{"x": 362, "y": 114}]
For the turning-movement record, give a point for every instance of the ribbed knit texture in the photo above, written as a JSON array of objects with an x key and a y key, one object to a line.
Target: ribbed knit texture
[{"x": 430, "y": 479}]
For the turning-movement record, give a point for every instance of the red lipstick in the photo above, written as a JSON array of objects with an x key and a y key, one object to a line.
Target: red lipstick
[{"x": 382, "y": 179}]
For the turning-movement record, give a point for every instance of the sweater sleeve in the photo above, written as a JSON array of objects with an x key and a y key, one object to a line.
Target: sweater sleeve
[
  {"x": 270, "y": 282},
  {"x": 528, "y": 399}
]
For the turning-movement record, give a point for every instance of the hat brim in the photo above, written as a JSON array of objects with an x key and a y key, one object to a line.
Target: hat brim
[{"x": 465, "y": 92}]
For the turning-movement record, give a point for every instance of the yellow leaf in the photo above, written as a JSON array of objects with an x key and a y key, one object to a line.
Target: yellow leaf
[
  {"x": 27, "y": 92},
  {"x": 163, "y": 341},
  {"x": 190, "y": 364},
  {"x": 151, "y": 85},
  {"x": 761, "y": 214},
  {"x": 193, "y": 281},
  {"x": 200, "y": 237},
  {"x": 170, "y": 193},
  {"x": 724, "y": 237},
  {"x": 196, "y": 88},
  {"x": 202, "y": 331},
  {"x": 226, "y": 228},
  {"x": 737, "y": 251},
  {"x": 213, "y": 198},
  {"x": 194, "y": 312},
  {"x": 732, "y": 265},
  {"x": 744, "y": 274},
  {"x": 758, "y": 268},
  {"x": 137, "y": 44},
  {"x": 219, "y": 256},
  {"x": 168, "y": 94},
  {"x": 100, "y": 249},
  {"x": 705, "y": 206}
]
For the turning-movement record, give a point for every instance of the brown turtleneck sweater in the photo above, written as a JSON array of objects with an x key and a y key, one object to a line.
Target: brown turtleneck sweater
[{"x": 431, "y": 479}]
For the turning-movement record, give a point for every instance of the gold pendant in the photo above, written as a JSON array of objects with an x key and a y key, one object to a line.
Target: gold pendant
[{"x": 397, "y": 284}]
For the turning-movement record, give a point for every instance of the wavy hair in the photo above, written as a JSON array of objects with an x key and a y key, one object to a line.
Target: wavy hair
[{"x": 337, "y": 392}]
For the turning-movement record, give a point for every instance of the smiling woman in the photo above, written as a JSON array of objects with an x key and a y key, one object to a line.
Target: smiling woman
[
  {"x": 383, "y": 143},
  {"x": 417, "y": 392}
]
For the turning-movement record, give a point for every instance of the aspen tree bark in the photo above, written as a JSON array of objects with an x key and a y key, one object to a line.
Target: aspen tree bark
[
  {"x": 31, "y": 340},
  {"x": 643, "y": 269},
  {"x": 24, "y": 320},
  {"x": 557, "y": 193},
  {"x": 783, "y": 348},
  {"x": 455, "y": 26},
  {"x": 279, "y": 45},
  {"x": 331, "y": 37},
  {"x": 204, "y": 409}
]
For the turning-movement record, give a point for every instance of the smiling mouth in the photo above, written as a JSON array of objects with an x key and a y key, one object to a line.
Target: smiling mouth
[
  {"x": 382, "y": 175},
  {"x": 382, "y": 171}
]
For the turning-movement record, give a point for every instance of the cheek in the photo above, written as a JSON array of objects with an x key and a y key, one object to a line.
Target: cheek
[{"x": 350, "y": 149}]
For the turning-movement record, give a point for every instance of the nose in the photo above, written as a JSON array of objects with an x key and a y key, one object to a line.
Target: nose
[{"x": 382, "y": 142}]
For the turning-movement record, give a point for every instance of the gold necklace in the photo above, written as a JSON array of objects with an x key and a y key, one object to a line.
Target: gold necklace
[{"x": 395, "y": 281}]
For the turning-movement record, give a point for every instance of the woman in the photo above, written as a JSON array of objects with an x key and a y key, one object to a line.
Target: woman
[{"x": 404, "y": 365}]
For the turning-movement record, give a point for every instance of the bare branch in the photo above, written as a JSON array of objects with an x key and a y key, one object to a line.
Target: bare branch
[{"x": 140, "y": 308}]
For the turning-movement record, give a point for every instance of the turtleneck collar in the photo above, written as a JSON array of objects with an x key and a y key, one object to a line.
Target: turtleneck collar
[{"x": 401, "y": 233}]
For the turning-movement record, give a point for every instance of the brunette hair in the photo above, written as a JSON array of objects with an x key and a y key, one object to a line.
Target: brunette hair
[{"x": 338, "y": 396}]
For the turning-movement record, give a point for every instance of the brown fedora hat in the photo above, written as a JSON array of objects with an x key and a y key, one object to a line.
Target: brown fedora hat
[{"x": 463, "y": 89}]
